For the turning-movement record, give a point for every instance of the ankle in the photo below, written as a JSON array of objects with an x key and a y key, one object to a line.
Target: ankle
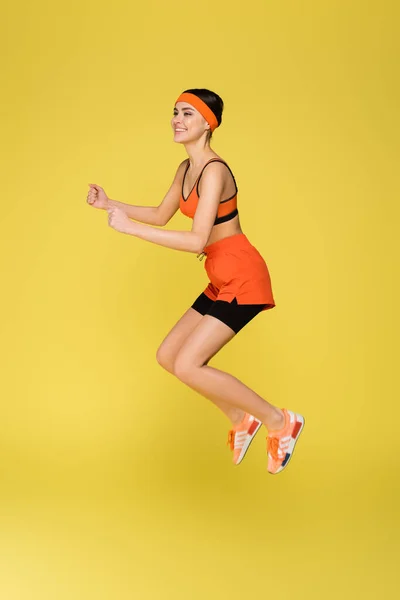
[
  {"x": 276, "y": 421},
  {"x": 237, "y": 416}
]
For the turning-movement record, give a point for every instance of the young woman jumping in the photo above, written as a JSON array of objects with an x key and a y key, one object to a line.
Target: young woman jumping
[{"x": 239, "y": 287}]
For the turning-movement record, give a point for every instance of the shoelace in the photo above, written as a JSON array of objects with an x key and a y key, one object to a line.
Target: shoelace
[
  {"x": 231, "y": 439},
  {"x": 236, "y": 439},
  {"x": 273, "y": 447}
]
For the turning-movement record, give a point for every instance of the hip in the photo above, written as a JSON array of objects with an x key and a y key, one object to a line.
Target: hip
[{"x": 233, "y": 256}]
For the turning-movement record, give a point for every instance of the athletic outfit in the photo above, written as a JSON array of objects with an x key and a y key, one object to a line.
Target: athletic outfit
[
  {"x": 239, "y": 281},
  {"x": 239, "y": 288}
]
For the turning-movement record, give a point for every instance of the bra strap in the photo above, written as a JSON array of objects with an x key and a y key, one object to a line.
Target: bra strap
[
  {"x": 217, "y": 160},
  {"x": 196, "y": 183}
]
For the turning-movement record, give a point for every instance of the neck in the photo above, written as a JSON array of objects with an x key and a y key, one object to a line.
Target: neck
[{"x": 198, "y": 152}]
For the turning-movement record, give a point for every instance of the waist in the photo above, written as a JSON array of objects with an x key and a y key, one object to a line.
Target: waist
[{"x": 237, "y": 240}]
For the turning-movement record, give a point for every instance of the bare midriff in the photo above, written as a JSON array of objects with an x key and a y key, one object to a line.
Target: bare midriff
[{"x": 223, "y": 230}]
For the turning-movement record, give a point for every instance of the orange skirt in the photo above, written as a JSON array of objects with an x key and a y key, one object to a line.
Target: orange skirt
[{"x": 236, "y": 269}]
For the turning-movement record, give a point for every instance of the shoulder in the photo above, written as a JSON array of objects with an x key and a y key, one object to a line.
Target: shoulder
[
  {"x": 215, "y": 169},
  {"x": 212, "y": 177},
  {"x": 183, "y": 166},
  {"x": 181, "y": 170},
  {"x": 218, "y": 173}
]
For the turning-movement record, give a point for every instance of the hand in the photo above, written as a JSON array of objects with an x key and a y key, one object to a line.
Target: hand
[
  {"x": 118, "y": 219},
  {"x": 97, "y": 197}
]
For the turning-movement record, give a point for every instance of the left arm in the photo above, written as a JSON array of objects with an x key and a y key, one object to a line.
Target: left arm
[
  {"x": 187, "y": 241},
  {"x": 203, "y": 221}
]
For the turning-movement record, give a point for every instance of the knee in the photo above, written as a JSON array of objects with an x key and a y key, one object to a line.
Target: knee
[
  {"x": 184, "y": 368},
  {"x": 165, "y": 360}
]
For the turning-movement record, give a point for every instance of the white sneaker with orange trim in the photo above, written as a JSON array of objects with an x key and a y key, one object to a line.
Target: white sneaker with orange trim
[
  {"x": 281, "y": 443},
  {"x": 241, "y": 436}
]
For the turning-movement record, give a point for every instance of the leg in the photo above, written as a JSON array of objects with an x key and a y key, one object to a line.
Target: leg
[
  {"x": 206, "y": 339},
  {"x": 169, "y": 348}
]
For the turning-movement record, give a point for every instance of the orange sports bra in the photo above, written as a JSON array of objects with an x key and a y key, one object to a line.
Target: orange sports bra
[{"x": 227, "y": 209}]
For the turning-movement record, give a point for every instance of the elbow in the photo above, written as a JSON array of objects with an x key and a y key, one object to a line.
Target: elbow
[
  {"x": 200, "y": 246},
  {"x": 160, "y": 221}
]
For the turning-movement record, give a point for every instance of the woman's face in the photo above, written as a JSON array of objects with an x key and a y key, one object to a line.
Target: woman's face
[{"x": 188, "y": 124}]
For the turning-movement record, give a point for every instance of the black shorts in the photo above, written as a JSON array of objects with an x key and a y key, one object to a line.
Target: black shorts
[{"x": 235, "y": 315}]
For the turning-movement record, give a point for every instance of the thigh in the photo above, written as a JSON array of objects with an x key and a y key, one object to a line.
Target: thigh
[
  {"x": 235, "y": 315},
  {"x": 172, "y": 343},
  {"x": 206, "y": 339},
  {"x": 214, "y": 330}
]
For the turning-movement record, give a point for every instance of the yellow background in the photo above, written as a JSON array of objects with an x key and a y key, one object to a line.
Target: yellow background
[{"x": 115, "y": 478}]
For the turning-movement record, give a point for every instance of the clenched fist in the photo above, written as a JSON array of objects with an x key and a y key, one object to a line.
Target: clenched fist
[
  {"x": 97, "y": 197},
  {"x": 118, "y": 220}
]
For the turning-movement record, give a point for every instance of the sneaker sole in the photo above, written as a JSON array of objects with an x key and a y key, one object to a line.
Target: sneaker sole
[
  {"x": 247, "y": 445},
  {"x": 291, "y": 447}
]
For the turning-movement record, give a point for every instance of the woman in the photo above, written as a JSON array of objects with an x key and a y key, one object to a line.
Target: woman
[{"x": 239, "y": 288}]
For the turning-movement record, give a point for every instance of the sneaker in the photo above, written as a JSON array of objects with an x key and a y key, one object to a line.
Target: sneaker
[
  {"x": 241, "y": 436},
  {"x": 280, "y": 443}
]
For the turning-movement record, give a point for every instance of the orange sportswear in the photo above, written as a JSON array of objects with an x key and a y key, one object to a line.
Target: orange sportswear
[
  {"x": 227, "y": 209},
  {"x": 234, "y": 266}
]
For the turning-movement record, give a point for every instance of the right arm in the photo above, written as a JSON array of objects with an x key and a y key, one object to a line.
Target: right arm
[
  {"x": 156, "y": 215},
  {"x": 144, "y": 214}
]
